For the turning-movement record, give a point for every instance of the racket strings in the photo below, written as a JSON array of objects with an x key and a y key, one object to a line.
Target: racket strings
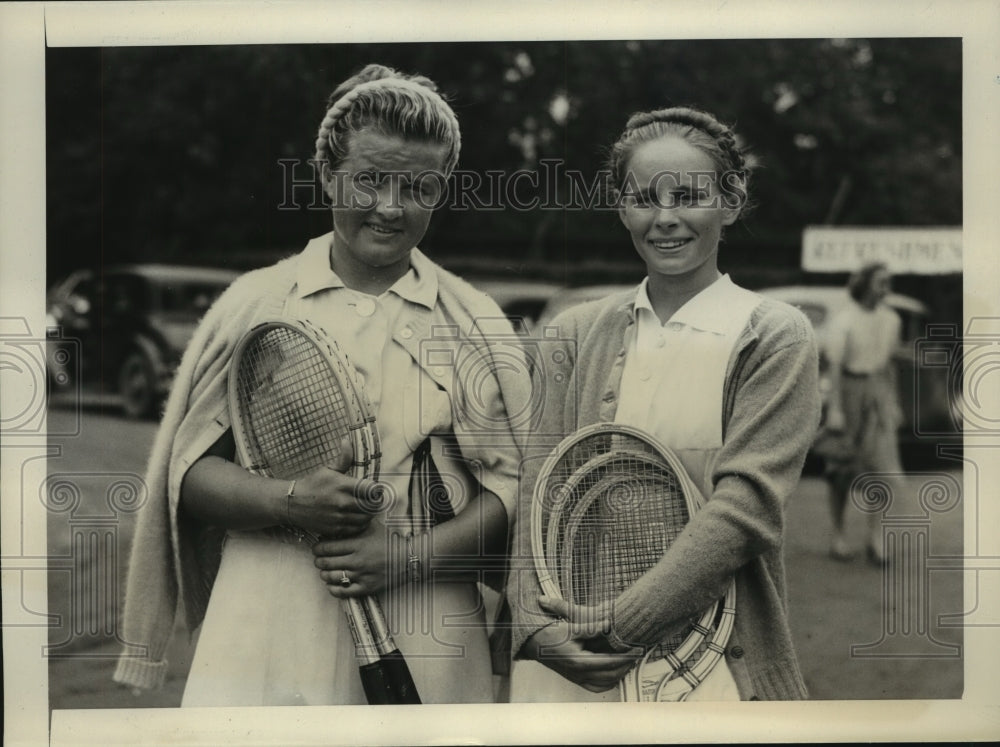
[
  {"x": 292, "y": 403},
  {"x": 608, "y": 504},
  {"x": 618, "y": 506},
  {"x": 293, "y": 399}
]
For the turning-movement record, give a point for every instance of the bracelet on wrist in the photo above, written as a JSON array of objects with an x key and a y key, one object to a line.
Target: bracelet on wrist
[
  {"x": 414, "y": 567},
  {"x": 288, "y": 503}
]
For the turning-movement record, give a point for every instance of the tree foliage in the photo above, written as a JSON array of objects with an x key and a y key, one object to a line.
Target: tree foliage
[{"x": 175, "y": 153}]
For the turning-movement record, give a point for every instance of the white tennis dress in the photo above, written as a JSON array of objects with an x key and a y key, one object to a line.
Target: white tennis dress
[{"x": 272, "y": 633}]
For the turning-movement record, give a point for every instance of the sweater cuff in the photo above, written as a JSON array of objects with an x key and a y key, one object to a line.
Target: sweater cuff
[
  {"x": 772, "y": 683},
  {"x": 522, "y": 632},
  {"x": 631, "y": 623},
  {"x": 136, "y": 670}
]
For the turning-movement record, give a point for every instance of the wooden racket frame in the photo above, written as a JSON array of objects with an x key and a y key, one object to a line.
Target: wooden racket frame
[
  {"x": 373, "y": 642},
  {"x": 715, "y": 624}
]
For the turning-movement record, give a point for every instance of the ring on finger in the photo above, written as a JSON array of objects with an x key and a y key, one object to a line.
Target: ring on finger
[{"x": 345, "y": 580}]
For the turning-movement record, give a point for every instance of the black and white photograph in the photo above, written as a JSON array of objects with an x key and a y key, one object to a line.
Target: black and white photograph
[{"x": 523, "y": 362}]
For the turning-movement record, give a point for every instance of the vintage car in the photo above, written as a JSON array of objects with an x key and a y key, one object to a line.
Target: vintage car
[
  {"x": 925, "y": 392},
  {"x": 521, "y": 300},
  {"x": 123, "y": 329}
]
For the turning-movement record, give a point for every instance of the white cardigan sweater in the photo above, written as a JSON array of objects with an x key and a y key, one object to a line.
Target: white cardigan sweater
[{"x": 174, "y": 559}]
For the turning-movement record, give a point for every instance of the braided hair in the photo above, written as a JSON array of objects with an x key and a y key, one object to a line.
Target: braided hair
[
  {"x": 382, "y": 99},
  {"x": 698, "y": 128}
]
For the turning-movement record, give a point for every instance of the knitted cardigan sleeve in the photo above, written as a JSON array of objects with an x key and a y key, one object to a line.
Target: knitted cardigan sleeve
[
  {"x": 553, "y": 402},
  {"x": 775, "y": 413},
  {"x": 171, "y": 559}
]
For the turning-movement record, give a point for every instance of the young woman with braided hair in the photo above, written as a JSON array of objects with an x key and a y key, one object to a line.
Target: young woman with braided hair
[
  {"x": 725, "y": 378},
  {"x": 270, "y": 632}
]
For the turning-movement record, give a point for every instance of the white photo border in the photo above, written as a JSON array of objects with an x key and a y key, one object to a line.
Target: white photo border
[{"x": 26, "y": 28}]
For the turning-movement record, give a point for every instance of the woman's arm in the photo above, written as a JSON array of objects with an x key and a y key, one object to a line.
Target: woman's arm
[
  {"x": 548, "y": 631},
  {"x": 222, "y": 493},
  {"x": 457, "y": 551},
  {"x": 560, "y": 389},
  {"x": 774, "y": 418}
]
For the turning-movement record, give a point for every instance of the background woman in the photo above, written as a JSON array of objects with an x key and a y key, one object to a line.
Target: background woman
[{"x": 864, "y": 401}]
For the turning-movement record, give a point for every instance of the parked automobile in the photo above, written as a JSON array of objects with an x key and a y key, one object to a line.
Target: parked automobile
[
  {"x": 926, "y": 399},
  {"x": 129, "y": 325},
  {"x": 568, "y": 297},
  {"x": 925, "y": 396},
  {"x": 521, "y": 300},
  {"x": 821, "y": 302}
]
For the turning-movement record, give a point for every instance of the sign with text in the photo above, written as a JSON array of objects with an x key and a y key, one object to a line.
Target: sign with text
[{"x": 919, "y": 251}]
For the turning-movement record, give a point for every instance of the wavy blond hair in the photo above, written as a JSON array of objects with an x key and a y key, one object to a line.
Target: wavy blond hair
[{"x": 384, "y": 100}]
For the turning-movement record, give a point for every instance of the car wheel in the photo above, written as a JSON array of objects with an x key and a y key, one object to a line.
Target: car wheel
[{"x": 137, "y": 385}]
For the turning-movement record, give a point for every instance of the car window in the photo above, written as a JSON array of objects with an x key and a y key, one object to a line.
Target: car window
[
  {"x": 525, "y": 311},
  {"x": 123, "y": 294}
]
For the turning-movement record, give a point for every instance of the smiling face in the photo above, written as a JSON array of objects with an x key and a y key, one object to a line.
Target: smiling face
[
  {"x": 381, "y": 208},
  {"x": 674, "y": 210}
]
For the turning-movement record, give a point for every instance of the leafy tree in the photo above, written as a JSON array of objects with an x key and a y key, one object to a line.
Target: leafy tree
[{"x": 176, "y": 153}]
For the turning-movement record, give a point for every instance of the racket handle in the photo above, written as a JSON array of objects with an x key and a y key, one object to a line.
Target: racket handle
[
  {"x": 404, "y": 689},
  {"x": 375, "y": 677},
  {"x": 365, "y": 648},
  {"x": 400, "y": 678},
  {"x": 377, "y": 683}
]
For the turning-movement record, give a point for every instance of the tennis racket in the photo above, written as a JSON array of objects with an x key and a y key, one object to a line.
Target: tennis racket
[
  {"x": 293, "y": 397},
  {"x": 608, "y": 502}
]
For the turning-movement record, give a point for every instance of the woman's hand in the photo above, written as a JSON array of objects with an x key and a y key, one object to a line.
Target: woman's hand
[
  {"x": 331, "y": 504},
  {"x": 324, "y": 502},
  {"x": 363, "y": 558},
  {"x": 577, "y": 647}
]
